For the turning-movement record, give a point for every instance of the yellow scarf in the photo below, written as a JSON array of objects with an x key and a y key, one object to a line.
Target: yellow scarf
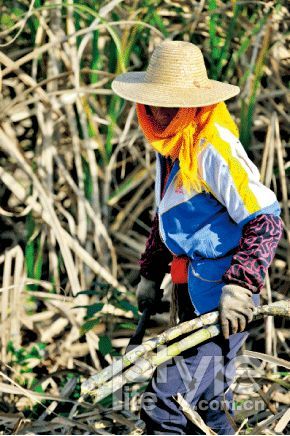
[{"x": 185, "y": 136}]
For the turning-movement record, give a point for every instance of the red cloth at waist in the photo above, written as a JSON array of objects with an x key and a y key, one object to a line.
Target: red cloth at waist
[{"x": 178, "y": 269}]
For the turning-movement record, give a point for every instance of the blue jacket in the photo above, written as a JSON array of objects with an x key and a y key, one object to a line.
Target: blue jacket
[{"x": 207, "y": 226}]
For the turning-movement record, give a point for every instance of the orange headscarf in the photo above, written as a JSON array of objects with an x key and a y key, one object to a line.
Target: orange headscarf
[{"x": 185, "y": 136}]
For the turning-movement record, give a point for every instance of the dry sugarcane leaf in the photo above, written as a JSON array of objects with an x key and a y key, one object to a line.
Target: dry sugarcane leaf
[
  {"x": 20, "y": 192},
  {"x": 192, "y": 415},
  {"x": 33, "y": 396},
  {"x": 262, "y": 425},
  {"x": 65, "y": 392},
  {"x": 10, "y": 146},
  {"x": 28, "y": 80},
  {"x": 266, "y": 358},
  {"x": 281, "y": 397},
  {"x": 47, "y": 334}
]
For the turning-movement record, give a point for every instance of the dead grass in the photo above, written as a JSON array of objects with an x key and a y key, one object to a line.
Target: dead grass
[{"x": 77, "y": 192}]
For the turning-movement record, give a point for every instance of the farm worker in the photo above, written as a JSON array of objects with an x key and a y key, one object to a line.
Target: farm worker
[{"x": 216, "y": 225}]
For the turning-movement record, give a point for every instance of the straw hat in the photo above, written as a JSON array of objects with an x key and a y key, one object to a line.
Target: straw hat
[{"x": 176, "y": 77}]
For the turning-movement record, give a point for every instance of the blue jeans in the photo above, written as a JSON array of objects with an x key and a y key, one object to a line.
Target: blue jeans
[{"x": 201, "y": 375}]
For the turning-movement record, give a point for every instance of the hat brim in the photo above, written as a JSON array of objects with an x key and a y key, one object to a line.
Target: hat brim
[{"x": 132, "y": 86}]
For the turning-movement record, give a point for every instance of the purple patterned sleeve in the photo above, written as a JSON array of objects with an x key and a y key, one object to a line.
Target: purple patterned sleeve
[
  {"x": 156, "y": 257},
  {"x": 255, "y": 253}
]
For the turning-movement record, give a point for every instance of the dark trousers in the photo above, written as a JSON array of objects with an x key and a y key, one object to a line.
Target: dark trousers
[{"x": 201, "y": 375}]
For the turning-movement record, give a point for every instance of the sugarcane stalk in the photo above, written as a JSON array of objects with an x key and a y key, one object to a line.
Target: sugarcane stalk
[
  {"x": 129, "y": 358},
  {"x": 279, "y": 308},
  {"x": 148, "y": 361}
]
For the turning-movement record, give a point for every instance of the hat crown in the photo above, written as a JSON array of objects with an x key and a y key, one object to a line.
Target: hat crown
[{"x": 179, "y": 64}]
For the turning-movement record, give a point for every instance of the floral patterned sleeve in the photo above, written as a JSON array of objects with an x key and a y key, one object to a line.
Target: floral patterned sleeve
[
  {"x": 255, "y": 252},
  {"x": 156, "y": 257}
]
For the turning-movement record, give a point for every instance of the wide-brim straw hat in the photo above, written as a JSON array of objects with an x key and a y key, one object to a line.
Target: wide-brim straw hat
[{"x": 176, "y": 77}]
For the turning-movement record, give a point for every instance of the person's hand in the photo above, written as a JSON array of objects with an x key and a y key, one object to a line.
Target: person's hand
[
  {"x": 148, "y": 294},
  {"x": 235, "y": 309}
]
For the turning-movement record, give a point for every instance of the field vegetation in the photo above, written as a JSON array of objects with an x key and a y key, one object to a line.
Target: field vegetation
[{"x": 77, "y": 192}]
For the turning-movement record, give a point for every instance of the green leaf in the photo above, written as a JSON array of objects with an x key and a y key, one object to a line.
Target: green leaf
[
  {"x": 103, "y": 287},
  {"x": 88, "y": 325},
  {"x": 127, "y": 325},
  {"x": 95, "y": 64},
  {"x": 125, "y": 305},
  {"x": 29, "y": 249},
  {"x": 87, "y": 180},
  {"x": 94, "y": 308},
  {"x": 17, "y": 12},
  {"x": 38, "y": 389},
  {"x": 105, "y": 345},
  {"x": 38, "y": 261},
  {"x": 5, "y": 20},
  {"x": 230, "y": 33},
  {"x": 10, "y": 347},
  {"x": 159, "y": 23},
  {"x": 87, "y": 292},
  {"x": 91, "y": 308}
]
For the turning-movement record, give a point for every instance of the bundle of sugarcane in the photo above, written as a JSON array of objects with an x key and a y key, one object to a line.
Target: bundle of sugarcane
[{"x": 141, "y": 359}]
